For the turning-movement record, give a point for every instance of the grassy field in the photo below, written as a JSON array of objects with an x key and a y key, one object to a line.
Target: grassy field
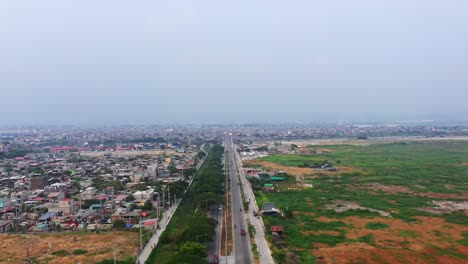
[{"x": 402, "y": 179}]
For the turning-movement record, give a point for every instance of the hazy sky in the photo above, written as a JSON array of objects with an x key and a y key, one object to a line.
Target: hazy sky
[{"x": 200, "y": 61}]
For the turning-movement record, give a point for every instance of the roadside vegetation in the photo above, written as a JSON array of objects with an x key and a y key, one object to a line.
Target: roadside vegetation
[
  {"x": 378, "y": 195},
  {"x": 184, "y": 238}
]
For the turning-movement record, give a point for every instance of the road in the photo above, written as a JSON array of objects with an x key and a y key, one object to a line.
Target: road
[
  {"x": 257, "y": 222},
  {"x": 214, "y": 247},
  {"x": 241, "y": 244}
]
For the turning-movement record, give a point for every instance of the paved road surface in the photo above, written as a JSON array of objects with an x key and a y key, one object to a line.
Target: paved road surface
[
  {"x": 215, "y": 246},
  {"x": 242, "y": 247},
  {"x": 257, "y": 222}
]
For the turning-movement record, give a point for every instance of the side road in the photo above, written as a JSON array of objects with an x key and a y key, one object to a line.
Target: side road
[{"x": 164, "y": 221}]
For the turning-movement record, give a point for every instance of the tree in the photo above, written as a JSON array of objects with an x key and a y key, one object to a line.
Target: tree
[
  {"x": 193, "y": 248},
  {"x": 187, "y": 259},
  {"x": 148, "y": 206},
  {"x": 208, "y": 199},
  {"x": 118, "y": 224},
  {"x": 130, "y": 198}
]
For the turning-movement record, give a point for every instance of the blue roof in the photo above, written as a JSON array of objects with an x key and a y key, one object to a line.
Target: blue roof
[{"x": 47, "y": 215}]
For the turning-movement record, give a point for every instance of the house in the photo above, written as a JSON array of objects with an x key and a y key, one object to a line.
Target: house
[
  {"x": 67, "y": 206},
  {"x": 6, "y": 205},
  {"x": 6, "y": 225},
  {"x": 56, "y": 196},
  {"x": 120, "y": 198},
  {"x": 269, "y": 209},
  {"x": 39, "y": 228},
  {"x": 88, "y": 194},
  {"x": 268, "y": 187},
  {"x": 277, "y": 233}
]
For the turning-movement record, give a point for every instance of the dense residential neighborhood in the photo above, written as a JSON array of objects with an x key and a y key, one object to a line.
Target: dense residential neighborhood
[{"x": 86, "y": 185}]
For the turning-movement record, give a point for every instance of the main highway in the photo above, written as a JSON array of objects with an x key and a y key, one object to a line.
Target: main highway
[{"x": 241, "y": 243}]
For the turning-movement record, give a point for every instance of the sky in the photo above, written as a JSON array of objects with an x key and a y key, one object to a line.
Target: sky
[{"x": 147, "y": 62}]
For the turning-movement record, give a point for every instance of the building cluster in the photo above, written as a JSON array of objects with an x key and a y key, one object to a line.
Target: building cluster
[
  {"x": 362, "y": 131},
  {"x": 86, "y": 185}
]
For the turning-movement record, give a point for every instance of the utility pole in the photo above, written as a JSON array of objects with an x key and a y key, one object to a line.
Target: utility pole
[
  {"x": 141, "y": 239},
  {"x": 169, "y": 195},
  {"x": 170, "y": 202},
  {"x": 115, "y": 260},
  {"x": 157, "y": 207},
  {"x": 162, "y": 215}
]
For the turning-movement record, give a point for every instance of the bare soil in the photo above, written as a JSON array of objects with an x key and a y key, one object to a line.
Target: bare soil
[
  {"x": 392, "y": 189},
  {"x": 393, "y": 247},
  {"x": 15, "y": 247},
  {"x": 342, "y": 206},
  {"x": 299, "y": 172}
]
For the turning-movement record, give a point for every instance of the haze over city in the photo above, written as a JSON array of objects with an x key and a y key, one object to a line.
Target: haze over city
[{"x": 117, "y": 62}]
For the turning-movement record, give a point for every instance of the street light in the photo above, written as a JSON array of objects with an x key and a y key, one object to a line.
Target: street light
[
  {"x": 200, "y": 236},
  {"x": 143, "y": 214}
]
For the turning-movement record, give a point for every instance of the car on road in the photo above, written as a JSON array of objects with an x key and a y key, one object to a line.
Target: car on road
[{"x": 243, "y": 232}]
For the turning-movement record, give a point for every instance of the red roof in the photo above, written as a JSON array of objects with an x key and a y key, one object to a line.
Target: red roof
[
  {"x": 101, "y": 197},
  {"x": 277, "y": 229},
  {"x": 150, "y": 222},
  {"x": 66, "y": 200}
]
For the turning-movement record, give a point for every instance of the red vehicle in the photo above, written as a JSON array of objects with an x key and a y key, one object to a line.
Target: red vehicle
[
  {"x": 243, "y": 232},
  {"x": 216, "y": 259}
]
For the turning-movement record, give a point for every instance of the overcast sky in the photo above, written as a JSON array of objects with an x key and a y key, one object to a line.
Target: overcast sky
[{"x": 110, "y": 62}]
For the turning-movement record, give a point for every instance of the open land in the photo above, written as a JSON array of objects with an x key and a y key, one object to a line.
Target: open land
[
  {"x": 380, "y": 202},
  {"x": 68, "y": 247}
]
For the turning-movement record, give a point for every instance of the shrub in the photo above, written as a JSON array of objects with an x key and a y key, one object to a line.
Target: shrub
[
  {"x": 376, "y": 225},
  {"x": 464, "y": 241},
  {"x": 79, "y": 252},
  {"x": 61, "y": 253},
  {"x": 119, "y": 224},
  {"x": 369, "y": 239}
]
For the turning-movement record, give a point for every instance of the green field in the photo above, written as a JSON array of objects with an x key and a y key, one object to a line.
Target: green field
[{"x": 432, "y": 167}]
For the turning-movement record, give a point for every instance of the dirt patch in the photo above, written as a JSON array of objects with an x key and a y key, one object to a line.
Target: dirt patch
[
  {"x": 309, "y": 213},
  {"x": 304, "y": 151},
  {"x": 325, "y": 219},
  {"x": 465, "y": 163},
  {"x": 389, "y": 188},
  {"x": 428, "y": 230},
  {"x": 343, "y": 206},
  {"x": 392, "y": 189},
  {"x": 320, "y": 232},
  {"x": 446, "y": 207},
  {"x": 296, "y": 171},
  {"x": 15, "y": 248},
  {"x": 365, "y": 254},
  {"x": 393, "y": 245},
  {"x": 463, "y": 196}
]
